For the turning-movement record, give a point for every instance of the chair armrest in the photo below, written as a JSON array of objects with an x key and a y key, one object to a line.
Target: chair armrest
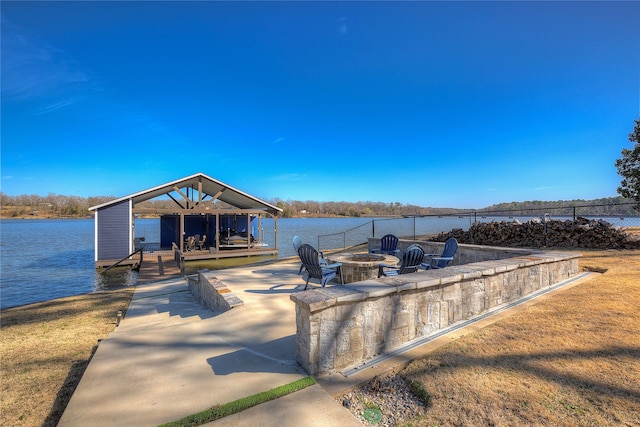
[
  {"x": 435, "y": 260},
  {"x": 334, "y": 265},
  {"x": 382, "y": 265}
]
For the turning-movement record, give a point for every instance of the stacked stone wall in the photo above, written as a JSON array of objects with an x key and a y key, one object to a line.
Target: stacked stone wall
[
  {"x": 211, "y": 292},
  {"x": 343, "y": 326}
]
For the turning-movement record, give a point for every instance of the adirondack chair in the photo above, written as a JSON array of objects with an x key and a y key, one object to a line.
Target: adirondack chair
[
  {"x": 441, "y": 260},
  {"x": 311, "y": 262},
  {"x": 411, "y": 260},
  {"x": 202, "y": 244},
  {"x": 297, "y": 242},
  {"x": 191, "y": 243},
  {"x": 388, "y": 245}
]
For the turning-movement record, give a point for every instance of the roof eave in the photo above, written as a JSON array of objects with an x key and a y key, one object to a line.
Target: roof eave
[{"x": 139, "y": 195}]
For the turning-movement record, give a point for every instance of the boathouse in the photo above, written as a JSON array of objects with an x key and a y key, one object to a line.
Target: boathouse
[{"x": 202, "y": 217}]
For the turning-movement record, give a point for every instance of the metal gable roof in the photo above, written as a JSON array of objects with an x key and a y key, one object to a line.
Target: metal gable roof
[{"x": 210, "y": 186}]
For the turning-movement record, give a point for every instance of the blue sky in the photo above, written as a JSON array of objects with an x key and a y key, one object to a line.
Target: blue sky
[{"x": 442, "y": 104}]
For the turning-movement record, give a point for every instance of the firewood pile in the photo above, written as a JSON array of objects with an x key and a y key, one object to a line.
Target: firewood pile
[{"x": 581, "y": 233}]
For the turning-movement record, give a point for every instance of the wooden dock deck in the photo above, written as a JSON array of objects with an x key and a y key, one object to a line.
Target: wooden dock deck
[{"x": 158, "y": 266}]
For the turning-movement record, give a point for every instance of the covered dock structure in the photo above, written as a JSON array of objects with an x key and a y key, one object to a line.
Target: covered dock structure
[{"x": 202, "y": 217}]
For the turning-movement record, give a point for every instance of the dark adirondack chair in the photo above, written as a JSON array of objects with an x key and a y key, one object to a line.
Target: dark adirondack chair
[
  {"x": 388, "y": 245},
  {"x": 442, "y": 260},
  {"x": 297, "y": 242},
  {"x": 310, "y": 258},
  {"x": 411, "y": 260}
]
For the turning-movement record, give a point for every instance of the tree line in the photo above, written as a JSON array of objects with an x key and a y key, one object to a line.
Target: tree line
[
  {"x": 297, "y": 208},
  {"x": 60, "y": 206},
  {"x": 608, "y": 206},
  {"x": 49, "y": 206}
]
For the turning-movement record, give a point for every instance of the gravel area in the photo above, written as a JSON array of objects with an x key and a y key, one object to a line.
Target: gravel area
[{"x": 391, "y": 395}]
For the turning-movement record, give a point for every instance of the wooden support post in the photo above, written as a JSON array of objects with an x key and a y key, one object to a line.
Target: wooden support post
[{"x": 160, "y": 266}]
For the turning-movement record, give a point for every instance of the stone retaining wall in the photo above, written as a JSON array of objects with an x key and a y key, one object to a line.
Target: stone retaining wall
[
  {"x": 341, "y": 326},
  {"x": 465, "y": 254},
  {"x": 211, "y": 292}
]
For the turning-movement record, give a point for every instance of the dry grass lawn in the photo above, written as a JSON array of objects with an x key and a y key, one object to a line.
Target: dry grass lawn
[
  {"x": 573, "y": 359},
  {"x": 46, "y": 348}
]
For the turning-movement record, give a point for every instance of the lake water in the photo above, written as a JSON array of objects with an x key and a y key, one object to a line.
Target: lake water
[{"x": 46, "y": 259}]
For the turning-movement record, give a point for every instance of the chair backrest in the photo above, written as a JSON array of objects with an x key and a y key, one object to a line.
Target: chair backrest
[
  {"x": 297, "y": 242},
  {"x": 450, "y": 248},
  {"x": 388, "y": 244},
  {"x": 411, "y": 259},
  {"x": 309, "y": 257}
]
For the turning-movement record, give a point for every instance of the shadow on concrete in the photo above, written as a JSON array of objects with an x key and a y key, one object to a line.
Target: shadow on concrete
[
  {"x": 258, "y": 359},
  {"x": 283, "y": 288},
  {"x": 176, "y": 303},
  {"x": 274, "y": 272}
]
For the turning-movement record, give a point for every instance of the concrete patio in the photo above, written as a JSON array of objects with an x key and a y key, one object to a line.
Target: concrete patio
[{"x": 171, "y": 357}]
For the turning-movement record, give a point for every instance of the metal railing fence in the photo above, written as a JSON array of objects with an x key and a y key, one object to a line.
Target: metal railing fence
[{"x": 424, "y": 226}]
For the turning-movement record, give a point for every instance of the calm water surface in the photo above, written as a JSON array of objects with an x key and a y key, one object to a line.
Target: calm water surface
[{"x": 47, "y": 259}]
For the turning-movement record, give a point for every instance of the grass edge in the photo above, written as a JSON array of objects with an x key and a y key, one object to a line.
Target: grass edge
[{"x": 239, "y": 405}]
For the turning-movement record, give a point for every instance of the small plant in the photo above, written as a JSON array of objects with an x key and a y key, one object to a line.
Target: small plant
[
  {"x": 419, "y": 391},
  {"x": 372, "y": 412},
  {"x": 372, "y": 415},
  {"x": 367, "y": 402},
  {"x": 374, "y": 384},
  {"x": 571, "y": 407}
]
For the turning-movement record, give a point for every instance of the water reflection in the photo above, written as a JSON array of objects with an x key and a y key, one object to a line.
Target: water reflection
[{"x": 116, "y": 278}]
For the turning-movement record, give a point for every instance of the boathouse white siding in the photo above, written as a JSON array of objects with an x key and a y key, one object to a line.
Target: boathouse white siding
[{"x": 114, "y": 229}]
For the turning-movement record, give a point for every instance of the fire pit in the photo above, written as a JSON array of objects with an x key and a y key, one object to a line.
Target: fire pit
[{"x": 359, "y": 267}]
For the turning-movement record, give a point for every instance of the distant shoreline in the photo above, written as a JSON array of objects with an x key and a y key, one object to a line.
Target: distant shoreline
[
  {"x": 33, "y": 218},
  {"x": 37, "y": 217}
]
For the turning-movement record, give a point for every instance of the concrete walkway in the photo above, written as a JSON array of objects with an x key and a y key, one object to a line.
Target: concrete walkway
[{"x": 170, "y": 358}]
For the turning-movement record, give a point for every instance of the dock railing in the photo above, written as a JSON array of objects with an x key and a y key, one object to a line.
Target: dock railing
[
  {"x": 178, "y": 257},
  {"x": 125, "y": 259}
]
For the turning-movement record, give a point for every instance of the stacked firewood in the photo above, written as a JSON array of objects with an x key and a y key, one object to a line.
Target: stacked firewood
[{"x": 581, "y": 233}]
